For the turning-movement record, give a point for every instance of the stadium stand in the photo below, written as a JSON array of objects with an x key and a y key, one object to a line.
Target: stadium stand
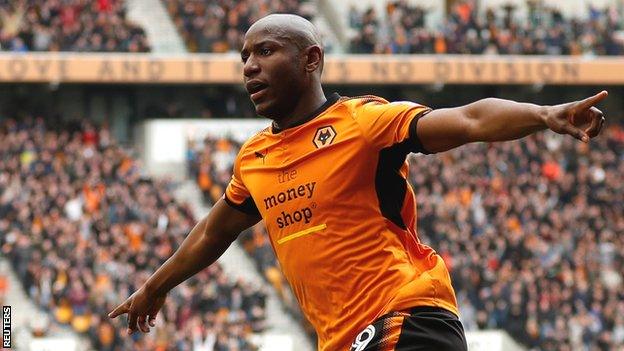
[
  {"x": 540, "y": 29},
  {"x": 531, "y": 230},
  {"x": 219, "y": 26},
  {"x": 535, "y": 226},
  {"x": 211, "y": 164},
  {"x": 543, "y": 31},
  {"x": 83, "y": 228},
  {"x": 74, "y": 25}
]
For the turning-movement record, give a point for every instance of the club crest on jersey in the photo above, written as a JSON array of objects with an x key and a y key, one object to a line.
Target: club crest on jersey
[{"x": 324, "y": 136}]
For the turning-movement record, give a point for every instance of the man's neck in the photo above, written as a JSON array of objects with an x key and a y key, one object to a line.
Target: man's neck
[{"x": 303, "y": 111}]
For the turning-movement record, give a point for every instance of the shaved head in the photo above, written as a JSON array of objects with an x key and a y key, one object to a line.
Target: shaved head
[
  {"x": 293, "y": 28},
  {"x": 282, "y": 59}
]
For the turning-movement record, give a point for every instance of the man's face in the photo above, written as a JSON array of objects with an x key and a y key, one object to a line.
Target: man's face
[{"x": 273, "y": 73}]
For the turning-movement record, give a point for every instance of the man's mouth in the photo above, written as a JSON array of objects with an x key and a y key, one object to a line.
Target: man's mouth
[{"x": 256, "y": 89}]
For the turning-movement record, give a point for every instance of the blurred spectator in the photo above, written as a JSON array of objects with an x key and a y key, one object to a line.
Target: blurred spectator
[
  {"x": 68, "y": 25},
  {"x": 211, "y": 165},
  {"x": 499, "y": 31},
  {"x": 83, "y": 229},
  {"x": 532, "y": 232},
  {"x": 367, "y": 26},
  {"x": 219, "y": 26}
]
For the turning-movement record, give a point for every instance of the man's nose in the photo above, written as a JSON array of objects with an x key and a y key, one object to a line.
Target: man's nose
[{"x": 251, "y": 67}]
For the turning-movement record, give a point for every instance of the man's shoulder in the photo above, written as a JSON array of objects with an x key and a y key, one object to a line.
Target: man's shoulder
[
  {"x": 361, "y": 100},
  {"x": 365, "y": 106},
  {"x": 371, "y": 105},
  {"x": 255, "y": 141}
]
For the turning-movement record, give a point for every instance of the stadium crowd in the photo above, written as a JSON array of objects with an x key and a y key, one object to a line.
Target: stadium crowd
[
  {"x": 544, "y": 31},
  {"x": 83, "y": 228},
  {"x": 532, "y": 232},
  {"x": 219, "y": 26},
  {"x": 69, "y": 25}
]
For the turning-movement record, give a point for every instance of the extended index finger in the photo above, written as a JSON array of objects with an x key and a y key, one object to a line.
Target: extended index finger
[
  {"x": 121, "y": 309},
  {"x": 593, "y": 100}
]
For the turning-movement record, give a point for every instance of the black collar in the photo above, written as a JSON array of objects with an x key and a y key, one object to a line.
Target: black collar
[{"x": 331, "y": 99}]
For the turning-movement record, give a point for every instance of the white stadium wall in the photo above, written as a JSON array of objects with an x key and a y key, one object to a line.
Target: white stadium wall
[
  {"x": 53, "y": 344},
  {"x": 162, "y": 143},
  {"x": 491, "y": 340}
]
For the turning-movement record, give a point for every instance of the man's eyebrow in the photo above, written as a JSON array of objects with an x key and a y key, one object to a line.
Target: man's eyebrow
[
  {"x": 268, "y": 41},
  {"x": 251, "y": 47},
  {"x": 260, "y": 43}
]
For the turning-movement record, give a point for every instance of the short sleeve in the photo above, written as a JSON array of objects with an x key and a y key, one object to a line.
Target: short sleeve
[
  {"x": 385, "y": 124},
  {"x": 237, "y": 195}
]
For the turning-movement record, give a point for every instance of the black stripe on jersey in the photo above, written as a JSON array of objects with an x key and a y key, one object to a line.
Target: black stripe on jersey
[
  {"x": 248, "y": 206},
  {"x": 416, "y": 144},
  {"x": 389, "y": 183}
]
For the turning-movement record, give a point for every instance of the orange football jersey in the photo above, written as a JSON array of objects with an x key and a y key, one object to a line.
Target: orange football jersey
[{"x": 341, "y": 215}]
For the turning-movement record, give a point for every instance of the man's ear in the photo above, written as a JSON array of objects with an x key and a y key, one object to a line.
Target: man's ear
[{"x": 314, "y": 58}]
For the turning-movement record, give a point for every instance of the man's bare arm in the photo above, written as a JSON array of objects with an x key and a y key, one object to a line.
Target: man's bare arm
[
  {"x": 500, "y": 120},
  {"x": 205, "y": 243}
]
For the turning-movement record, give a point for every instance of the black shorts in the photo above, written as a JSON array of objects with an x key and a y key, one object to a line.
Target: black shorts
[{"x": 417, "y": 329}]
